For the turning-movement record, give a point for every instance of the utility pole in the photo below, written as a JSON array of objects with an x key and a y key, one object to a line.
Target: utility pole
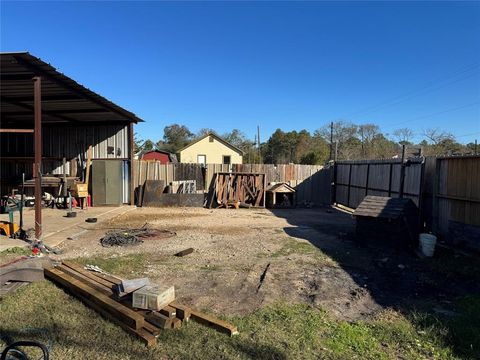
[
  {"x": 258, "y": 139},
  {"x": 476, "y": 147},
  {"x": 331, "y": 140},
  {"x": 255, "y": 142}
]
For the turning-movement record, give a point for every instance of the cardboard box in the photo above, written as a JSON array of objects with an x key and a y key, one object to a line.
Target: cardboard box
[{"x": 153, "y": 297}]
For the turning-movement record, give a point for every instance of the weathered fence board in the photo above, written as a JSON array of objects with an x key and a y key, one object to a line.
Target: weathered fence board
[
  {"x": 311, "y": 182},
  {"x": 456, "y": 201}
]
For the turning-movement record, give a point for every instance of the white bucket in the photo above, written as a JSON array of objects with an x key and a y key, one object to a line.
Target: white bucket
[{"x": 427, "y": 244}]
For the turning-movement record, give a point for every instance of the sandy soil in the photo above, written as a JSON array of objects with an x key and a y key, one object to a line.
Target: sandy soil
[
  {"x": 248, "y": 258},
  {"x": 232, "y": 250}
]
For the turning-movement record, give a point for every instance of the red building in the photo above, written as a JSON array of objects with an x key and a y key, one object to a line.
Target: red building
[{"x": 157, "y": 155}]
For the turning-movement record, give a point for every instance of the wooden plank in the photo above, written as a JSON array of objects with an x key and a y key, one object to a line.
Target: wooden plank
[
  {"x": 182, "y": 312},
  {"x": 127, "y": 302},
  {"x": 147, "y": 337},
  {"x": 159, "y": 320},
  {"x": 176, "y": 323},
  {"x": 109, "y": 278},
  {"x": 184, "y": 252},
  {"x": 87, "y": 273},
  {"x": 102, "y": 288},
  {"x": 168, "y": 311},
  {"x": 213, "y": 322},
  {"x": 124, "y": 314}
]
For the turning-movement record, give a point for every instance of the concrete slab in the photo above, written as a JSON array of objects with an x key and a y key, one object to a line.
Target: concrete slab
[
  {"x": 7, "y": 243},
  {"x": 57, "y": 227}
]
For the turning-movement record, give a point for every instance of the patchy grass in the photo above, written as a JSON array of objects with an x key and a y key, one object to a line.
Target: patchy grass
[
  {"x": 292, "y": 247},
  {"x": 122, "y": 266},
  {"x": 44, "y": 312},
  {"x": 17, "y": 250}
]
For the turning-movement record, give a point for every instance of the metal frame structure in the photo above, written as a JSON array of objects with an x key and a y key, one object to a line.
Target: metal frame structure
[{"x": 54, "y": 100}]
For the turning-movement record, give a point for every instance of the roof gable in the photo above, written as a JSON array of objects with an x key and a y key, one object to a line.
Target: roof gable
[{"x": 224, "y": 142}]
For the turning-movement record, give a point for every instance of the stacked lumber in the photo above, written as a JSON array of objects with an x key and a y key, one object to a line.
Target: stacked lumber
[
  {"x": 237, "y": 190},
  {"x": 96, "y": 290}
]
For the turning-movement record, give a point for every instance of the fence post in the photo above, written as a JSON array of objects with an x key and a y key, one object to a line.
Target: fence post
[
  {"x": 349, "y": 184},
  {"x": 435, "y": 196},
  {"x": 402, "y": 172},
  {"x": 390, "y": 180},
  {"x": 366, "y": 180}
]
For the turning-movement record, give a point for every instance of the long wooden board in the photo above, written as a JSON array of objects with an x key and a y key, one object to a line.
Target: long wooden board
[
  {"x": 88, "y": 274},
  {"x": 103, "y": 289},
  {"x": 107, "y": 291},
  {"x": 146, "y": 336},
  {"x": 214, "y": 322},
  {"x": 107, "y": 305}
]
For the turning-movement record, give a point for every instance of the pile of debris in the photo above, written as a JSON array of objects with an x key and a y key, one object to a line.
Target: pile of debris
[
  {"x": 142, "y": 309},
  {"x": 21, "y": 272},
  {"x": 127, "y": 237},
  {"x": 237, "y": 190}
]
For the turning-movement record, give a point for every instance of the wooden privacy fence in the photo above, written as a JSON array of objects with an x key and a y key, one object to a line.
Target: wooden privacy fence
[
  {"x": 358, "y": 178},
  {"x": 446, "y": 189},
  {"x": 312, "y": 182},
  {"x": 456, "y": 200}
]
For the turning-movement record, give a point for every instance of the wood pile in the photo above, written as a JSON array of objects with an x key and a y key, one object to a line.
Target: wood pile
[
  {"x": 96, "y": 291},
  {"x": 237, "y": 190}
]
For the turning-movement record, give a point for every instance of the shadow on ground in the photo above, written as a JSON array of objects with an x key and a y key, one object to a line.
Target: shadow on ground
[{"x": 443, "y": 290}]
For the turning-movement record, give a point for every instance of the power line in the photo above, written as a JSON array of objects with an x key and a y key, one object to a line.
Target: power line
[
  {"x": 434, "y": 114},
  {"x": 464, "y": 135},
  {"x": 422, "y": 90}
]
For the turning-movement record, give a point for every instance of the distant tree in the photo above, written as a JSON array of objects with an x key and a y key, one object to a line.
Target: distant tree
[
  {"x": 436, "y": 136},
  {"x": 440, "y": 142},
  {"x": 204, "y": 131},
  {"x": 137, "y": 143},
  {"x": 175, "y": 137},
  {"x": 237, "y": 138},
  {"x": 276, "y": 149},
  {"x": 345, "y": 135},
  {"x": 367, "y": 133},
  {"x": 404, "y": 136},
  {"x": 148, "y": 145},
  {"x": 310, "y": 158},
  {"x": 471, "y": 148}
]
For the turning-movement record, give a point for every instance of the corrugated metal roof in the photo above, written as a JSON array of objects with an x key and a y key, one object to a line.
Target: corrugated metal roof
[{"x": 63, "y": 99}]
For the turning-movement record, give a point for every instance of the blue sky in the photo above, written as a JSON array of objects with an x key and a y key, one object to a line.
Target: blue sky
[{"x": 288, "y": 65}]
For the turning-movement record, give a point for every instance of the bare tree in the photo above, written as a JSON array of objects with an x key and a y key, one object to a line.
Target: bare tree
[
  {"x": 403, "y": 135},
  {"x": 437, "y": 136},
  {"x": 367, "y": 133}
]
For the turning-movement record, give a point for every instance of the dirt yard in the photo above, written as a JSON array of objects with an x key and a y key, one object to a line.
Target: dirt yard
[
  {"x": 245, "y": 259},
  {"x": 295, "y": 282}
]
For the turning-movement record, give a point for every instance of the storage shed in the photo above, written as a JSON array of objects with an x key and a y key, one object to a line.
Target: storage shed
[
  {"x": 386, "y": 221},
  {"x": 72, "y": 118}
]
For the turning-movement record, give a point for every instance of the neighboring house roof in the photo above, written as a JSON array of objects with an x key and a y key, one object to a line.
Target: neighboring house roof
[
  {"x": 143, "y": 152},
  {"x": 63, "y": 99},
  {"x": 172, "y": 157},
  {"x": 224, "y": 142}
]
